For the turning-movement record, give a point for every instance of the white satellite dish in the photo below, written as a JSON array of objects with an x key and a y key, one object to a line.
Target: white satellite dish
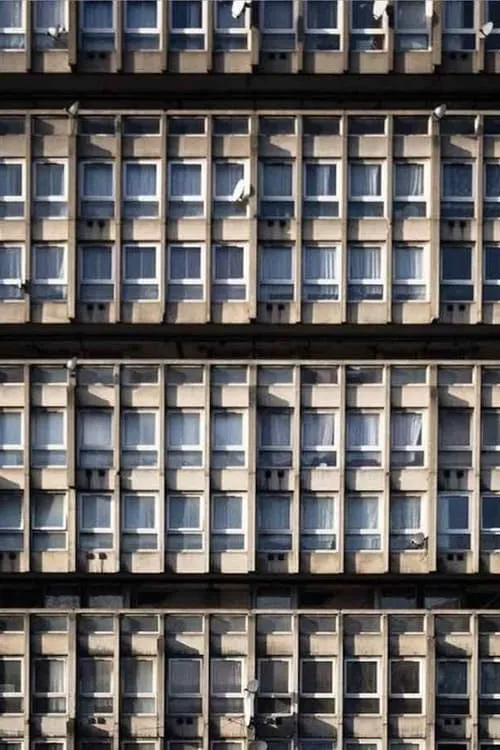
[
  {"x": 240, "y": 192},
  {"x": 439, "y": 112},
  {"x": 253, "y": 686},
  {"x": 486, "y": 29},
  {"x": 238, "y": 7},
  {"x": 73, "y": 109},
  {"x": 54, "y": 32},
  {"x": 71, "y": 364},
  {"x": 379, "y": 8}
]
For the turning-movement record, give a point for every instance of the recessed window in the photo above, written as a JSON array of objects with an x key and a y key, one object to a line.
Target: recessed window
[
  {"x": 365, "y": 190},
  {"x": 407, "y": 438},
  {"x": 95, "y": 524},
  {"x": 12, "y": 33},
  {"x": 456, "y": 273},
  {"x": 184, "y": 524},
  {"x": 314, "y": 126},
  {"x": 97, "y": 192},
  {"x": 275, "y": 273},
  {"x": 409, "y": 190},
  {"x": 365, "y": 281},
  {"x": 319, "y": 273},
  {"x": 186, "y": 125},
  {"x": 459, "y": 32},
  {"x": 140, "y": 126},
  {"x": 277, "y": 26},
  {"x": 321, "y": 26},
  {"x": 12, "y": 125},
  {"x": 410, "y": 125},
  {"x": 456, "y": 190},
  {"x": 96, "y": 125},
  {"x": 367, "y": 34},
  {"x": 411, "y": 25},
  {"x": 140, "y": 273},
  {"x": 186, "y": 190},
  {"x": 406, "y": 531},
  {"x": 276, "y": 190},
  {"x": 95, "y": 438},
  {"x": 139, "y": 439},
  {"x": 363, "y": 438},
  {"x": 184, "y": 439},
  {"x": 141, "y": 189},
  {"x": 453, "y": 522},
  {"x": 11, "y": 272},
  {"x": 185, "y": 273},
  {"x": 97, "y": 25},
  {"x": 275, "y": 438},
  {"x": 408, "y": 273},
  {"x": 228, "y": 282},
  {"x": 142, "y": 25},
  {"x": 230, "y": 126},
  {"x": 48, "y": 280},
  {"x": 11, "y": 188},
  {"x": 96, "y": 273},
  {"x": 228, "y": 176},
  {"x": 231, "y": 33},
  {"x": 187, "y": 25},
  {"x": 362, "y": 523},
  {"x": 320, "y": 190},
  {"x": 317, "y": 522},
  {"x": 366, "y": 125}
]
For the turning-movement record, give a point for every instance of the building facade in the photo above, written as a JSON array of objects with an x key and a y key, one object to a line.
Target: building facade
[{"x": 249, "y": 375}]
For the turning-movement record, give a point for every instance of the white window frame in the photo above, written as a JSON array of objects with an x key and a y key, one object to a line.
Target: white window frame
[
  {"x": 394, "y": 531},
  {"x": 50, "y": 447},
  {"x": 458, "y": 198},
  {"x": 52, "y": 282},
  {"x": 445, "y": 530},
  {"x": 199, "y": 30},
  {"x": 188, "y": 282},
  {"x": 458, "y": 448},
  {"x": 7, "y": 447},
  {"x": 148, "y": 696},
  {"x": 315, "y": 448},
  {"x": 16, "y": 31},
  {"x": 142, "y": 281},
  {"x": 246, "y": 178},
  {"x": 365, "y": 448},
  {"x": 288, "y": 662},
  {"x": 187, "y": 447},
  {"x": 242, "y": 531},
  {"x": 283, "y": 532},
  {"x": 82, "y": 197},
  {"x": 227, "y": 694},
  {"x": 371, "y": 660},
  {"x": 9, "y": 694},
  {"x": 126, "y": 198},
  {"x": 331, "y": 31},
  {"x": 317, "y": 281},
  {"x": 63, "y": 198},
  {"x": 277, "y": 30},
  {"x": 378, "y": 531},
  {"x": 382, "y": 198},
  {"x": 490, "y": 447},
  {"x": 488, "y": 163},
  {"x": 98, "y": 31},
  {"x": 202, "y": 197},
  {"x": 57, "y": 529},
  {"x": 491, "y": 696},
  {"x": 170, "y": 693},
  {"x": 366, "y": 281},
  {"x": 421, "y": 678},
  {"x": 291, "y": 197},
  {"x": 243, "y": 413},
  {"x": 111, "y": 693},
  {"x": 140, "y": 531},
  {"x": 141, "y": 448},
  {"x": 336, "y": 197},
  {"x": 82, "y": 280},
  {"x": 65, "y": 24},
  {"x": 420, "y": 448},
  {"x": 423, "y": 281},
  {"x": 271, "y": 282},
  {"x": 144, "y": 30},
  {"x": 460, "y": 31},
  {"x": 64, "y": 694},
  {"x": 424, "y": 197},
  {"x": 314, "y": 531},
  {"x": 17, "y": 283},
  {"x": 364, "y": 31},
  {"x": 187, "y": 529},
  {"x": 233, "y": 30},
  {"x": 411, "y": 31},
  {"x": 243, "y": 281},
  {"x": 328, "y": 659},
  {"x": 492, "y": 530},
  {"x": 95, "y": 529},
  {"x": 15, "y": 162},
  {"x": 276, "y": 448},
  {"x": 454, "y": 695}
]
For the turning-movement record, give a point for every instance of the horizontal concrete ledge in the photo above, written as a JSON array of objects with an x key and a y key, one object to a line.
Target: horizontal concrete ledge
[
  {"x": 247, "y": 341},
  {"x": 157, "y": 91}
]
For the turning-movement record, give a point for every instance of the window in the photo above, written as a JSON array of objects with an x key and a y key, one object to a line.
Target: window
[
  {"x": 95, "y": 439},
  {"x": 362, "y": 523},
  {"x": 456, "y": 274},
  {"x": 455, "y": 430},
  {"x": 318, "y": 126},
  {"x": 318, "y": 439},
  {"x": 97, "y": 190},
  {"x": 362, "y": 375},
  {"x": 230, "y": 33},
  {"x": 139, "y": 522},
  {"x": 490, "y": 437},
  {"x": 138, "y": 686},
  {"x": 367, "y": 34},
  {"x": 491, "y": 273},
  {"x": 409, "y": 188},
  {"x": 319, "y": 273},
  {"x": 274, "y": 530},
  {"x": 49, "y": 686},
  {"x": 12, "y": 36},
  {"x": 48, "y": 15},
  {"x": 11, "y": 438},
  {"x": 320, "y": 190},
  {"x": 407, "y": 439},
  {"x": 221, "y": 375},
  {"x": 188, "y": 125},
  {"x": 140, "y": 273},
  {"x": 139, "y": 448},
  {"x": 275, "y": 273},
  {"x": 49, "y": 273},
  {"x": 184, "y": 444},
  {"x": 141, "y": 190},
  {"x": 11, "y": 273},
  {"x": 365, "y": 280},
  {"x": 491, "y": 190},
  {"x": 50, "y": 190},
  {"x": 406, "y": 686},
  {"x": 411, "y": 25},
  {"x": 452, "y": 678},
  {"x": 277, "y": 25},
  {"x": 226, "y": 680},
  {"x": 142, "y": 25},
  {"x": 48, "y": 521},
  {"x": 95, "y": 686},
  {"x": 275, "y": 438},
  {"x": 453, "y": 522},
  {"x": 317, "y": 677},
  {"x": 406, "y": 523},
  {"x": 459, "y": 32},
  {"x": 96, "y": 125},
  {"x": 276, "y": 185},
  {"x": 321, "y": 26},
  {"x": 489, "y": 678},
  {"x": 97, "y": 25},
  {"x": 95, "y": 521},
  {"x": 184, "y": 683},
  {"x": 411, "y": 125},
  {"x": 227, "y": 532},
  {"x": 141, "y": 126},
  {"x": 11, "y": 685},
  {"x": 184, "y": 376},
  {"x": 274, "y": 677},
  {"x": 365, "y": 190},
  {"x": 48, "y": 440},
  {"x": 228, "y": 441},
  {"x": 228, "y": 283},
  {"x": 184, "y": 526},
  {"x": 490, "y": 522},
  {"x": 361, "y": 685},
  {"x": 363, "y": 439},
  {"x": 186, "y": 189},
  {"x": 408, "y": 273},
  {"x": 274, "y": 376},
  {"x": 132, "y": 376},
  {"x": 317, "y": 523},
  {"x": 456, "y": 190},
  {"x": 227, "y": 175},
  {"x": 11, "y": 183},
  {"x": 96, "y": 273},
  {"x": 493, "y": 14},
  {"x": 185, "y": 273},
  {"x": 11, "y": 522},
  {"x": 187, "y": 25},
  {"x": 230, "y": 125}
]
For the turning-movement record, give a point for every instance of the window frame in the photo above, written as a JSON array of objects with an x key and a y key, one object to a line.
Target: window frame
[
  {"x": 318, "y": 281},
  {"x": 129, "y": 281},
  {"x": 11, "y": 694},
  {"x": 153, "y": 695},
  {"x": 273, "y": 282},
  {"x": 95, "y": 530},
  {"x": 142, "y": 448},
  {"x": 127, "y": 199},
  {"x": 187, "y": 529},
  {"x": 37, "y": 694},
  {"x": 335, "y": 198},
  {"x": 53, "y": 447},
  {"x": 307, "y": 531},
  {"x": 63, "y": 198},
  {"x": 229, "y": 694},
  {"x": 321, "y": 659},
  {"x": 274, "y": 694},
  {"x": 16, "y": 31},
  {"x": 83, "y": 281},
  {"x": 144, "y": 30},
  {"x": 95, "y": 199},
  {"x": 490, "y": 696},
  {"x": 412, "y": 282},
  {"x": 421, "y": 677},
  {"x": 109, "y": 659},
  {"x": 444, "y": 530},
  {"x": 318, "y": 448},
  {"x": 424, "y": 197},
  {"x": 227, "y": 199},
  {"x": 382, "y": 198},
  {"x": 8, "y": 161},
  {"x": 371, "y": 660},
  {"x": 199, "y": 447},
  {"x": 201, "y": 281},
  {"x": 273, "y": 199},
  {"x": 9, "y": 447},
  {"x": 419, "y": 448},
  {"x": 458, "y": 198},
  {"x": 202, "y": 197},
  {"x": 231, "y": 282},
  {"x": 233, "y": 448},
  {"x": 172, "y": 694},
  {"x": 229, "y": 531},
  {"x": 455, "y": 696},
  {"x": 139, "y": 530}
]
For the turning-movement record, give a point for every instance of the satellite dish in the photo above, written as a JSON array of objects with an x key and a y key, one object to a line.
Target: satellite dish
[
  {"x": 379, "y": 8},
  {"x": 439, "y": 112},
  {"x": 54, "y": 32},
  {"x": 238, "y": 7},
  {"x": 486, "y": 29},
  {"x": 240, "y": 192},
  {"x": 73, "y": 109},
  {"x": 253, "y": 686},
  {"x": 71, "y": 364},
  {"x": 477, "y": 124},
  {"x": 418, "y": 540}
]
